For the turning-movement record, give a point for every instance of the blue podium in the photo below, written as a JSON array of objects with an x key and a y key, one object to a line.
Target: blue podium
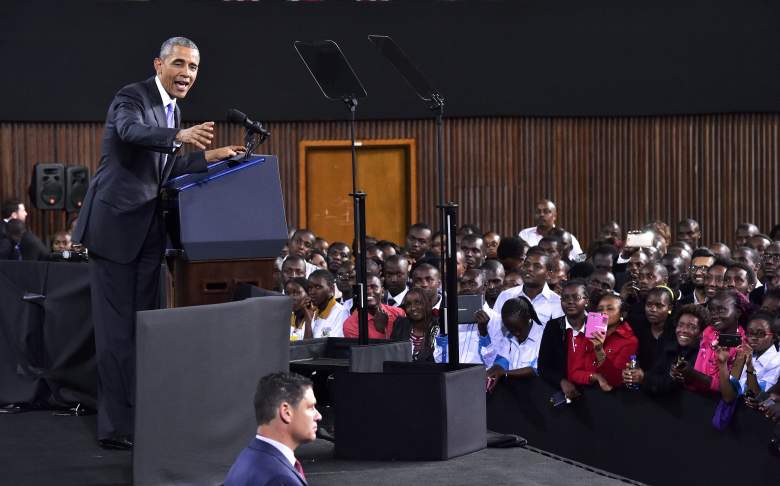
[{"x": 226, "y": 227}]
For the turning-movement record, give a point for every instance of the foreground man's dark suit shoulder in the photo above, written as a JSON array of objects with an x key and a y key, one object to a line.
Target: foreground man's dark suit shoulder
[
  {"x": 261, "y": 464},
  {"x": 122, "y": 197}
]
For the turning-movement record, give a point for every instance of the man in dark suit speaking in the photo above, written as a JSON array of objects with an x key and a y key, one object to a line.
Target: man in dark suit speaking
[
  {"x": 121, "y": 223},
  {"x": 287, "y": 417}
]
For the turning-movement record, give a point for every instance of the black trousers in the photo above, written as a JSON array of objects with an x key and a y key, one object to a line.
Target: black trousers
[{"x": 118, "y": 292}]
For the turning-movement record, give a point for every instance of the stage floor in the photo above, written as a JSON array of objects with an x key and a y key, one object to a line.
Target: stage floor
[{"x": 37, "y": 448}]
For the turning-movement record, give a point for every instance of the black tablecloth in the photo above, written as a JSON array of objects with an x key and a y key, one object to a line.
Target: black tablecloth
[{"x": 47, "y": 347}]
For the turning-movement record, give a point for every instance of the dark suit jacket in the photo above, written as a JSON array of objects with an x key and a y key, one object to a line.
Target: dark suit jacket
[
  {"x": 757, "y": 295},
  {"x": 553, "y": 354},
  {"x": 122, "y": 196},
  {"x": 262, "y": 464},
  {"x": 32, "y": 248}
]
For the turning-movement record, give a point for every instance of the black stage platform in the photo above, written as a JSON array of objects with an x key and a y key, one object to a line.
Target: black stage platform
[{"x": 38, "y": 448}]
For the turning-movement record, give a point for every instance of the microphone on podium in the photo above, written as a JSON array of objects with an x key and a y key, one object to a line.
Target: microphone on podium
[{"x": 236, "y": 116}]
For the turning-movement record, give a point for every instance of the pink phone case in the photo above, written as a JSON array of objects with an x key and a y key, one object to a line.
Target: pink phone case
[{"x": 596, "y": 322}]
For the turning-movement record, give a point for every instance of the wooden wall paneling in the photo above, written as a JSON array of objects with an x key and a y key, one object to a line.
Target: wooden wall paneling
[{"x": 719, "y": 169}]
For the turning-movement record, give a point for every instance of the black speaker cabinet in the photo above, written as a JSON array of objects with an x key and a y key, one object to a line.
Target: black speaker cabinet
[
  {"x": 47, "y": 190},
  {"x": 76, "y": 183}
]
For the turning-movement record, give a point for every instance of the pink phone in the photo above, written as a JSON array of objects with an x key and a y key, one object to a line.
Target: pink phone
[{"x": 596, "y": 322}]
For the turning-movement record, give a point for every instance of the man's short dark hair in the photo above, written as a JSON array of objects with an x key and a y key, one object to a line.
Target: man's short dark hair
[
  {"x": 10, "y": 206},
  {"x": 397, "y": 259},
  {"x": 492, "y": 265},
  {"x": 424, "y": 267},
  {"x": 606, "y": 249},
  {"x": 535, "y": 250},
  {"x": 751, "y": 275},
  {"x": 275, "y": 389},
  {"x": 323, "y": 274},
  {"x": 581, "y": 270},
  {"x": 471, "y": 237},
  {"x": 292, "y": 259},
  {"x": 512, "y": 247},
  {"x": 301, "y": 231},
  {"x": 422, "y": 226},
  {"x": 702, "y": 252},
  {"x": 470, "y": 229}
]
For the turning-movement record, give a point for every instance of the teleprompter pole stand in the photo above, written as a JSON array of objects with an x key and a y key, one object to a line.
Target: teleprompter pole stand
[
  {"x": 359, "y": 216},
  {"x": 338, "y": 81},
  {"x": 448, "y": 219},
  {"x": 450, "y": 299},
  {"x": 448, "y": 226}
]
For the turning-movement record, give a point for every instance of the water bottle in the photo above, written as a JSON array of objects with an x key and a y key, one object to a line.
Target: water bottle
[{"x": 632, "y": 365}]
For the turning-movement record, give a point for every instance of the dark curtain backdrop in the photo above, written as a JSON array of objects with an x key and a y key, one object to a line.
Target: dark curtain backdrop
[
  {"x": 719, "y": 169},
  {"x": 62, "y": 61}
]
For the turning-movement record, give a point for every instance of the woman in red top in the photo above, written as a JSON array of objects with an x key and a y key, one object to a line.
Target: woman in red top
[{"x": 601, "y": 359}]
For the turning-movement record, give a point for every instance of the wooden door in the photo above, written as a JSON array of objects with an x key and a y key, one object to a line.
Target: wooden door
[{"x": 386, "y": 173}]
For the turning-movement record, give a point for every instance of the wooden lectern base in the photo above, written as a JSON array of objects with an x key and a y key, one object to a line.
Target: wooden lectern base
[{"x": 214, "y": 282}]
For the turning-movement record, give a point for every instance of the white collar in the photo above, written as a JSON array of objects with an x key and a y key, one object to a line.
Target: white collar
[
  {"x": 767, "y": 356},
  {"x": 546, "y": 292},
  {"x": 400, "y": 297},
  {"x": 574, "y": 332},
  {"x": 533, "y": 334},
  {"x": 286, "y": 451},
  {"x": 166, "y": 98}
]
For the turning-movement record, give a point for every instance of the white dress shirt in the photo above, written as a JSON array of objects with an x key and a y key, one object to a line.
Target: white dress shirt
[
  {"x": 330, "y": 325},
  {"x": 767, "y": 368},
  {"x": 399, "y": 299},
  {"x": 470, "y": 343},
  {"x": 547, "y": 304},
  {"x": 286, "y": 451},
  {"x": 166, "y": 100},
  {"x": 514, "y": 355},
  {"x": 533, "y": 237}
]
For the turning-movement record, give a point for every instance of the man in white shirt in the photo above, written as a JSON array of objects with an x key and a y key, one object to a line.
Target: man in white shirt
[
  {"x": 535, "y": 269},
  {"x": 287, "y": 416},
  {"x": 330, "y": 315},
  {"x": 517, "y": 352},
  {"x": 470, "y": 335},
  {"x": 545, "y": 216}
]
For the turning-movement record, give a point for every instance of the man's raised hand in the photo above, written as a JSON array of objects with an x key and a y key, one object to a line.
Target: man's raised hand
[{"x": 198, "y": 135}]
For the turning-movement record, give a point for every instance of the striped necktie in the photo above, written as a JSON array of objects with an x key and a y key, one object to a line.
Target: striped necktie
[{"x": 299, "y": 468}]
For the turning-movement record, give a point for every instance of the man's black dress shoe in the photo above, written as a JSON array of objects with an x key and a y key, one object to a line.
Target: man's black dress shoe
[{"x": 117, "y": 443}]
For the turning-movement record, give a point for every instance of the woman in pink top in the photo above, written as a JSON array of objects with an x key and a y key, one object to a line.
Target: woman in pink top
[{"x": 726, "y": 308}]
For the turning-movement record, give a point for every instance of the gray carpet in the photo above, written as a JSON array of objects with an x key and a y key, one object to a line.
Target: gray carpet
[
  {"x": 515, "y": 466},
  {"x": 37, "y": 448}
]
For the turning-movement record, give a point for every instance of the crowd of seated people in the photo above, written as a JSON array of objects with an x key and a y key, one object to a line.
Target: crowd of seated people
[
  {"x": 666, "y": 303},
  {"x": 679, "y": 316}
]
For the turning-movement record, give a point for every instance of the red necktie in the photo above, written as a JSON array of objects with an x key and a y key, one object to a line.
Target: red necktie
[{"x": 299, "y": 468}]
